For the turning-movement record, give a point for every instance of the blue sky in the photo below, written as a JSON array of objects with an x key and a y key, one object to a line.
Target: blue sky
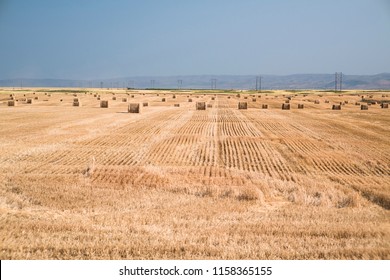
[{"x": 80, "y": 39}]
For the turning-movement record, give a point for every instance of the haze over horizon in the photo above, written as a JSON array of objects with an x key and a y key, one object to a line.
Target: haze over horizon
[{"x": 104, "y": 39}]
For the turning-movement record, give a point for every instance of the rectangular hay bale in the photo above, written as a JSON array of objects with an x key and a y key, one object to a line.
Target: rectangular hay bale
[
  {"x": 104, "y": 104},
  {"x": 200, "y": 105},
  {"x": 286, "y": 106},
  {"x": 134, "y": 108},
  {"x": 242, "y": 105},
  {"x": 336, "y": 107}
]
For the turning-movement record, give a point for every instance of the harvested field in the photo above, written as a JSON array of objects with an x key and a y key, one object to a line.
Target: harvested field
[{"x": 188, "y": 183}]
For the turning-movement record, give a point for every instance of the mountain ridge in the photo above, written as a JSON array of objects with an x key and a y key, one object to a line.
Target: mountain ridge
[{"x": 292, "y": 81}]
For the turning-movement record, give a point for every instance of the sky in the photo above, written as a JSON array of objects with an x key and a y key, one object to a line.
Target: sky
[{"x": 81, "y": 39}]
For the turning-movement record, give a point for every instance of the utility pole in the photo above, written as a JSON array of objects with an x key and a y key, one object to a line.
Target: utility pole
[{"x": 152, "y": 83}]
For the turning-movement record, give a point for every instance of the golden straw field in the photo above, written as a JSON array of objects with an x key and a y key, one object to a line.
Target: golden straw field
[{"x": 173, "y": 182}]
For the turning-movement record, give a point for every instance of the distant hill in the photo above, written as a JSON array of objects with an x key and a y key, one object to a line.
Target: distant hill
[{"x": 296, "y": 81}]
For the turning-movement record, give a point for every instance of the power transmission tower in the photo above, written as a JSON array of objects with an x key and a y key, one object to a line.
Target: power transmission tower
[
  {"x": 338, "y": 81},
  {"x": 179, "y": 83},
  {"x": 152, "y": 83},
  {"x": 213, "y": 83},
  {"x": 258, "y": 83}
]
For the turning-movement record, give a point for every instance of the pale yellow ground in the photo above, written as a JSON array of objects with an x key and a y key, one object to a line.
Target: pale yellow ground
[{"x": 176, "y": 183}]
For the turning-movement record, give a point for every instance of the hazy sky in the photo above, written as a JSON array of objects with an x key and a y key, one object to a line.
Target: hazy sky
[{"x": 80, "y": 39}]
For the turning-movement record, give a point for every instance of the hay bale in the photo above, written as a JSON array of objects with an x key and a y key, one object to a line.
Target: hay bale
[
  {"x": 245, "y": 97},
  {"x": 163, "y": 100},
  {"x": 36, "y": 97},
  {"x": 209, "y": 106},
  {"x": 336, "y": 107},
  {"x": 200, "y": 105},
  {"x": 113, "y": 98},
  {"x": 242, "y": 105},
  {"x": 228, "y": 97},
  {"x": 75, "y": 100},
  {"x": 134, "y": 108},
  {"x": 189, "y": 100},
  {"x": 264, "y": 106},
  {"x": 363, "y": 107},
  {"x": 12, "y": 103},
  {"x": 238, "y": 95},
  {"x": 287, "y": 101},
  {"x": 326, "y": 101},
  {"x": 76, "y": 103},
  {"x": 357, "y": 103},
  {"x": 104, "y": 104},
  {"x": 29, "y": 101},
  {"x": 385, "y": 105},
  {"x": 145, "y": 104},
  {"x": 124, "y": 99},
  {"x": 316, "y": 102},
  {"x": 75, "y": 95},
  {"x": 132, "y": 96},
  {"x": 174, "y": 96},
  {"x": 212, "y": 98},
  {"x": 286, "y": 106},
  {"x": 176, "y": 105},
  {"x": 300, "y": 106},
  {"x": 253, "y": 99}
]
